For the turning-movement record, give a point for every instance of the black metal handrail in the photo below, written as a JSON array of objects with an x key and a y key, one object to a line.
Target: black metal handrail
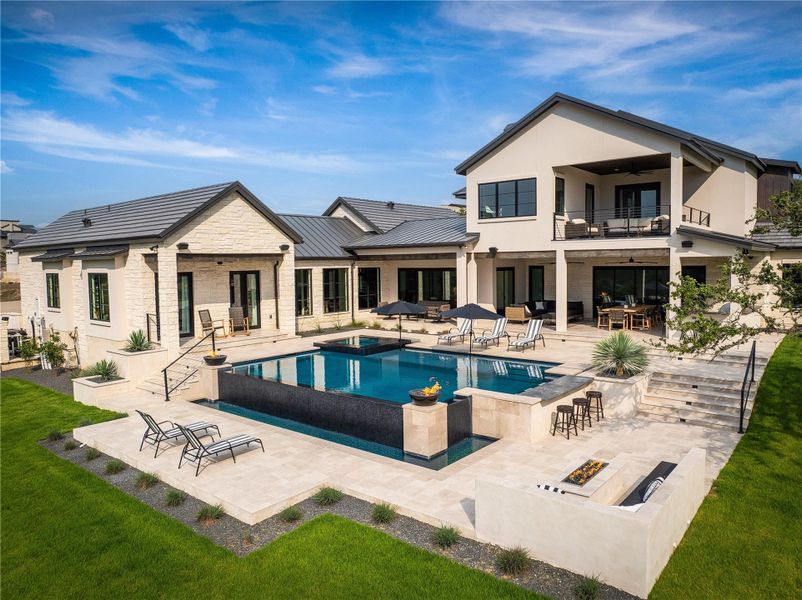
[
  {"x": 746, "y": 386},
  {"x": 154, "y": 320},
  {"x": 167, "y": 388},
  {"x": 694, "y": 215},
  {"x": 612, "y": 223}
]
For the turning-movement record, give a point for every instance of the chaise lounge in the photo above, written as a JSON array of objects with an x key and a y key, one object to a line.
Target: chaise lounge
[
  {"x": 156, "y": 434},
  {"x": 195, "y": 451},
  {"x": 531, "y": 336},
  {"x": 457, "y": 332},
  {"x": 499, "y": 331}
]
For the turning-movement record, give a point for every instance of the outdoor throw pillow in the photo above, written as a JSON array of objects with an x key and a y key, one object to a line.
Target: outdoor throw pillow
[
  {"x": 550, "y": 488},
  {"x": 540, "y": 305},
  {"x": 632, "y": 508},
  {"x": 652, "y": 487}
]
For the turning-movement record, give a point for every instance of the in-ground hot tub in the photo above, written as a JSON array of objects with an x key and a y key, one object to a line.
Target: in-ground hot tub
[{"x": 363, "y": 345}]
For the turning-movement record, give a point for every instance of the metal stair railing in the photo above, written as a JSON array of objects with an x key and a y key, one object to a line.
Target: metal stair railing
[{"x": 167, "y": 387}]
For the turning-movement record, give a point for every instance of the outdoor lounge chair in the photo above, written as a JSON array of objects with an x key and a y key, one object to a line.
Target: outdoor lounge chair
[
  {"x": 499, "y": 331},
  {"x": 209, "y": 324},
  {"x": 156, "y": 434},
  {"x": 457, "y": 332},
  {"x": 237, "y": 321},
  {"x": 195, "y": 451},
  {"x": 531, "y": 336}
]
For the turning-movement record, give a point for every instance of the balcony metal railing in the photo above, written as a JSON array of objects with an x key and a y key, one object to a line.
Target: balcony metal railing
[
  {"x": 612, "y": 223},
  {"x": 695, "y": 216}
]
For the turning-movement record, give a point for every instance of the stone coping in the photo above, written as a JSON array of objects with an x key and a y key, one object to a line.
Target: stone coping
[
  {"x": 124, "y": 352},
  {"x": 87, "y": 381},
  {"x": 558, "y": 388}
]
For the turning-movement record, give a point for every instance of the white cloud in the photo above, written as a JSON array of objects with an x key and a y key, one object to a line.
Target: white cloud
[
  {"x": 12, "y": 99},
  {"x": 327, "y": 90},
  {"x": 50, "y": 134},
  {"x": 194, "y": 37},
  {"x": 42, "y": 17},
  {"x": 769, "y": 90},
  {"x": 206, "y": 108},
  {"x": 358, "y": 66},
  {"x": 4, "y": 168}
]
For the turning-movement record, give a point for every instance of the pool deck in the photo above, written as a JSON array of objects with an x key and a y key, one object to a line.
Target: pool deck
[{"x": 294, "y": 465}]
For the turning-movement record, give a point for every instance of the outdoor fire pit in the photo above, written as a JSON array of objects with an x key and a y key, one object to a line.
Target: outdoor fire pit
[{"x": 584, "y": 473}]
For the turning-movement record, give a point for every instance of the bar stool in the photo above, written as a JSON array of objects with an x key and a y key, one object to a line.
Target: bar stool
[
  {"x": 582, "y": 411},
  {"x": 595, "y": 403},
  {"x": 564, "y": 420}
]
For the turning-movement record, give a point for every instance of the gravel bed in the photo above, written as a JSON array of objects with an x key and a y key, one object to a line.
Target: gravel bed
[
  {"x": 55, "y": 380},
  {"x": 242, "y": 539}
]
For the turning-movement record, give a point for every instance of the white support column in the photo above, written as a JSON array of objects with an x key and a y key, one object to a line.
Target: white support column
[
  {"x": 168, "y": 301},
  {"x": 471, "y": 279},
  {"x": 674, "y": 270},
  {"x": 80, "y": 310},
  {"x": 561, "y": 290},
  {"x": 462, "y": 277},
  {"x": 676, "y": 191}
]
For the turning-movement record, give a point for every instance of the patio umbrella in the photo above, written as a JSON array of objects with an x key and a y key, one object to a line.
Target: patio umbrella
[{"x": 399, "y": 307}]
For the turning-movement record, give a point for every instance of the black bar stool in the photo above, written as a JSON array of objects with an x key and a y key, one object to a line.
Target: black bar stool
[
  {"x": 564, "y": 420},
  {"x": 582, "y": 412},
  {"x": 595, "y": 399}
]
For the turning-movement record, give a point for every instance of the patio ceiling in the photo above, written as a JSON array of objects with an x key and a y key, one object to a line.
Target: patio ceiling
[{"x": 634, "y": 165}]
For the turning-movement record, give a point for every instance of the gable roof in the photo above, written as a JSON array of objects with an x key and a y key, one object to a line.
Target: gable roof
[
  {"x": 382, "y": 216},
  {"x": 153, "y": 217},
  {"x": 324, "y": 237},
  {"x": 443, "y": 231},
  {"x": 791, "y": 165},
  {"x": 704, "y": 146},
  {"x": 780, "y": 238}
]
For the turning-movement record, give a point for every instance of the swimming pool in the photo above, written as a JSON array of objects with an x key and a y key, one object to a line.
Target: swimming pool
[{"x": 390, "y": 375}]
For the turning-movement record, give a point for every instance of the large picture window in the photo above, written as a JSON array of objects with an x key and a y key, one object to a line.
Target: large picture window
[
  {"x": 53, "y": 291},
  {"x": 335, "y": 290},
  {"x": 508, "y": 199},
  {"x": 433, "y": 285},
  {"x": 636, "y": 201},
  {"x": 99, "y": 297},
  {"x": 303, "y": 292},
  {"x": 646, "y": 285},
  {"x": 559, "y": 195},
  {"x": 535, "y": 283},
  {"x": 368, "y": 288}
]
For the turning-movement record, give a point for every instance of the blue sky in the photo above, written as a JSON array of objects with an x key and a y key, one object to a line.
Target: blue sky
[{"x": 303, "y": 102}]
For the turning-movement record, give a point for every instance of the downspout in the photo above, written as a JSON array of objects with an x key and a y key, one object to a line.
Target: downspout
[
  {"x": 353, "y": 314},
  {"x": 275, "y": 290}
]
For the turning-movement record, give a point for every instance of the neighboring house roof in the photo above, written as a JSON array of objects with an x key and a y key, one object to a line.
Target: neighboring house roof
[
  {"x": 461, "y": 193},
  {"x": 726, "y": 238},
  {"x": 704, "y": 146},
  {"x": 382, "y": 216},
  {"x": 324, "y": 237},
  {"x": 787, "y": 164},
  {"x": 153, "y": 217},
  {"x": 444, "y": 231},
  {"x": 781, "y": 239}
]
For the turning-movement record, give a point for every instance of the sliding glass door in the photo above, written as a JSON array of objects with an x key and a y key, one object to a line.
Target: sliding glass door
[
  {"x": 505, "y": 288},
  {"x": 186, "y": 320},
  {"x": 636, "y": 201},
  {"x": 244, "y": 287},
  {"x": 419, "y": 285},
  {"x": 535, "y": 283},
  {"x": 648, "y": 285}
]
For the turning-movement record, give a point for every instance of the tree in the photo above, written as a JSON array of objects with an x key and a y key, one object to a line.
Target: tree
[{"x": 769, "y": 296}]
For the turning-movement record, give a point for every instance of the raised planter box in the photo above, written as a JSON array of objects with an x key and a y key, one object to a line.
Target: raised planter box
[
  {"x": 91, "y": 391},
  {"x": 138, "y": 366}
]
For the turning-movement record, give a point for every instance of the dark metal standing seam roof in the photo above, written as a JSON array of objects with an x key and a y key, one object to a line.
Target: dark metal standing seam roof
[
  {"x": 726, "y": 238},
  {"x": 383, "y": 216},
  {"x": 146, "y": 218},
  {"x": 704, "y": 146},
  {"x": 445, "y": 231},
  {"x": 54, "y": 254},
  {"x": 781, "y": 239},
  {"x": 101, "y": 252},
  {"x": 324, "y": 237}
]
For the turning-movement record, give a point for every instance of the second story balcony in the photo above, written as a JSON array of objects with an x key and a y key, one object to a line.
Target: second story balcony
[{"x": 613, "y": 223}]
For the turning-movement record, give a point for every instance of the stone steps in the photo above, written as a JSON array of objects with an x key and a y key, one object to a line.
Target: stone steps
[
  {"x": 724, "y": 423},
  {"x": 661, "y": 404}
]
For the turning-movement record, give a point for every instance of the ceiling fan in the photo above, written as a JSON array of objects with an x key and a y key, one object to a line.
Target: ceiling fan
[{"x": 633, "y": 171}]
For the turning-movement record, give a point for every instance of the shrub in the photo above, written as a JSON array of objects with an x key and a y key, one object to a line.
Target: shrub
[
  {"x": 175, "y": 498},
  {"x": 248, "y": 539},
  {"x": 620, "y": 355},
  {"x": 513, "y": 561},
  {"x": 106, "y": 370},
  {"x": 137, "y": 342},
  {"x": 92, "y": 453},
  {"x": 53, "y": 351},
  {"x": 70, "y": 445},
  {"x": 384, "y": 513},
  {"x": 375, "y": 325},
  {"x": 55, "y": 435},
  {"x": 445, "y": 536},
  {"x": 210, "y": 512},
  {"x": 115, "y": 466},
  {"x": 146, "y": 480},
  {"x": 588, "y": 589},
  {"x": 290, "y": 514},
  {"x": 357, "y": 324},
  {"x": 28, "y": 351},
  {"x": 327, "y": 496}
]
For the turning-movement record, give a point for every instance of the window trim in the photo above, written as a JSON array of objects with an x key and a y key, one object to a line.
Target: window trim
[
  {"x": 309, "y": 295},
  {"x": 559, "y": 203},
  {"x": 359, "y": 295},
  {"x": 345, "y": 296},
  {"x": 482, "y": 216},
  {"x": 57, "y": 296},
  {"x": 90, "y": 277}
]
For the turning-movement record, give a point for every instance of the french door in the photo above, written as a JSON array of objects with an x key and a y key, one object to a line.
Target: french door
[
  {"x": 186, "y": 320},
  {"x": 505, "y": 288},
  {"x": 244, "y": 286}
]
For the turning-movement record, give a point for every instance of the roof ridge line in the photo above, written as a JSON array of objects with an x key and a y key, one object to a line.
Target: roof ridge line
[{"x": 222, "y": 185}]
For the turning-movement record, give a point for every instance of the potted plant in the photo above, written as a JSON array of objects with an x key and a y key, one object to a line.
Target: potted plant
[
  {"x": 620, "y": 356},
  {"x": 426, "y": 396},
  {"x": 214, "y": 358}
]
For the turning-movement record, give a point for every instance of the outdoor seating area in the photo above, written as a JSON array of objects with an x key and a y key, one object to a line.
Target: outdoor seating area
[
  {"x": 574, "y": 416},
  {"x": 629, "y": 316}
]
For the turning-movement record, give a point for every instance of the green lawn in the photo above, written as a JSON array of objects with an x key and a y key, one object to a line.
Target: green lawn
[
  {"x": 68, "y": 534},
  {"x": 746, "y": 539}
]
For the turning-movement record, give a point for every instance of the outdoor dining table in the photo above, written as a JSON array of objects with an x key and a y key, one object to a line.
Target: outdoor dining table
[{"x": 629, "y": 310}]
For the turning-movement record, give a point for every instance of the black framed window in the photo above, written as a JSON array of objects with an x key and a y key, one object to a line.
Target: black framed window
[
  {"x": 638, "y": 200},
  {"x": 419, "y": 285},
  {"x": 535, "y": 283},
  {"x": 559, "y": 195},
  {"x": 792, "y": 285},
  {"x": 516, "y": 198},
  {"x": 99, "y": 297},
  {"x": 303, "y": 292},
  {"x": 699, "y": 273},
  {"x": 648, "y": 285},
  {"x": 53, "y": 291},
  {"x": 335, "y": 290},
  {"x": 368, "y": 287}
]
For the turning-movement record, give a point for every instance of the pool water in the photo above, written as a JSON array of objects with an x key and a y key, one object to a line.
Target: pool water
[
  {"x": 454, "y": 453},
  {"x": 358, "y": 341},
  {"x": 390, "y": 375}
]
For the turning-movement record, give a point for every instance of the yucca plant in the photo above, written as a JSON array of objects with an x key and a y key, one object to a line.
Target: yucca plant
[
  {"x": 106, "y": 370},
  {"x": 620, "y": 355},
  {"x": 137, "y": 342}
]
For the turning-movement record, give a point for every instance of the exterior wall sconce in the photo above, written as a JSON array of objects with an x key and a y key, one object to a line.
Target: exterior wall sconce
[
  {"x": 687, "y": 244},
  {"x": 284, "y": 247},
  {"x": 492, "y": 251},
  {"x": 183, "y": 246}
]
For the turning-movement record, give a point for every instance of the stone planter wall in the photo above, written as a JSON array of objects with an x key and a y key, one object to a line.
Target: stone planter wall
[
  {"x": 138, "y": 366},
  {"x": 621, "y": 397},
  {"x": 98, "y": 394}
]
